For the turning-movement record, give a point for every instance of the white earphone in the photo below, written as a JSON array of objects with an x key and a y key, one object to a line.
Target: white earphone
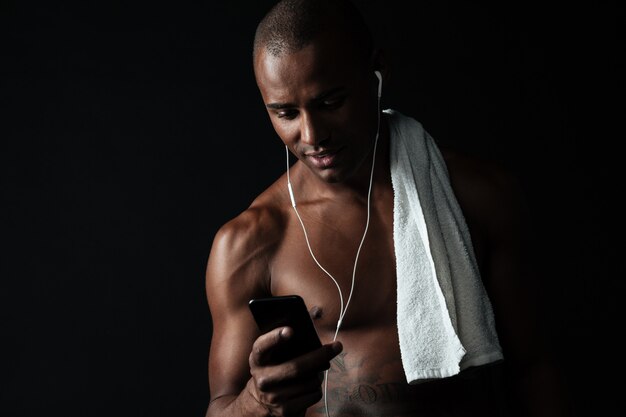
[
  {"x": 380, "y": 82},
  {"x": 342, "y": 310}
]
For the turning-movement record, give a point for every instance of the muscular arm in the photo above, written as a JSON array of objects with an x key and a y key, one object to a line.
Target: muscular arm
[
  {"x": 242, "y": 380},
  {"x": 496, "y": 212},
  {"x": 234, "y": 275}
]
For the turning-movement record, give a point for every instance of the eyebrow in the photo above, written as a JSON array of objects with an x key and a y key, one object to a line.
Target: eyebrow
[{"x": 322, "y": 96}]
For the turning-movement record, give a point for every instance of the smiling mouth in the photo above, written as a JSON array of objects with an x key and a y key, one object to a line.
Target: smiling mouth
[{"x": 324, "y": 159}]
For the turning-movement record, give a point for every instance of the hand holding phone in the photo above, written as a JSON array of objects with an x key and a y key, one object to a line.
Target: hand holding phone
[{"x": 270, "y": 313}]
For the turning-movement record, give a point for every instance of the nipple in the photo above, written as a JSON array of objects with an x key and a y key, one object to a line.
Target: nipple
[{"x": 315, "y": 312}]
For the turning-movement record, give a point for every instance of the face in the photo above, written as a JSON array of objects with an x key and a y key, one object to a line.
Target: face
[{"x": 322, "y": 103}]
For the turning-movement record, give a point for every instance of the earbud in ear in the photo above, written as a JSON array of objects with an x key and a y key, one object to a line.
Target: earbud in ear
[{"x": 380, "y": 82}]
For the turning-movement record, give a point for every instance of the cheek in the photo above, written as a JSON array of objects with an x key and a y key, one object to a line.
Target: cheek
[{"x": 288, "y": 132}]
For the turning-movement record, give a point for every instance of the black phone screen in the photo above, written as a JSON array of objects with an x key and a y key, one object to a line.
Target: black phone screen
[{"x": 290, "y": 310}]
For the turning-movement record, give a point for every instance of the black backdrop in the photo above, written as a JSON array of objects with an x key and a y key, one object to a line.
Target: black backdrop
[{"x": 131, "y": 132}]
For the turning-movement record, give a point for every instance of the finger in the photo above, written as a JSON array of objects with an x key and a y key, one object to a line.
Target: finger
[
  {"x": 266, "y": 343},
  {"x": 319, "y": 359},
  {"x": 310, "y": 363},
  {"x": 289, "y": 391},
  {"x": 297, "y": 406},
  {"x": 308, "y": 366}
]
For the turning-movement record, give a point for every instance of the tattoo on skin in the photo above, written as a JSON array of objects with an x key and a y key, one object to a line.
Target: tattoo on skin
[
  {"x": 361, "y": 388},
  {"x": 366, "y": 398},
  {"x": 339, "y": 363}
]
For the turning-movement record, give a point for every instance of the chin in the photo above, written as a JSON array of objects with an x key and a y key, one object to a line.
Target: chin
[
  {"x": 333, "y": 176},
  {"x": 333, "y": 179}
]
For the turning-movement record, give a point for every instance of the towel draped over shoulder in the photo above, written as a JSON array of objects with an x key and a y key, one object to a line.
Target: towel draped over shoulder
[{"x": 445, "y": 318}]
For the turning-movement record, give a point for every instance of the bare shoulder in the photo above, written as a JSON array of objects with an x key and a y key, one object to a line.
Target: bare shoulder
[
  {"x": 238, "y": 269},
  {"x": 243, "y": 247}
]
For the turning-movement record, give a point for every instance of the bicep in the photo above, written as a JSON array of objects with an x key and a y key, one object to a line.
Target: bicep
[
  {"x": 232, "y": 279},
  {"x": 231, "y": 342}
]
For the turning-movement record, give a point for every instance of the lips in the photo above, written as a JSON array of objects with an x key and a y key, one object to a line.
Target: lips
[{"x": 324, "y": 159}]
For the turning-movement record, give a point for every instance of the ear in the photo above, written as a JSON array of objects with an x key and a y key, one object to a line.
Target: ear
[{"x": 380, "y": 63}]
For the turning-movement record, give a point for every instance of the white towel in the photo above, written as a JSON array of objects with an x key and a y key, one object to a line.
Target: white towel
[{"x": 445, "y": 318}]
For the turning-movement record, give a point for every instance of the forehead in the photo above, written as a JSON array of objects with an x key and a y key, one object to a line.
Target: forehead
[{"x": 329, "y": 59}]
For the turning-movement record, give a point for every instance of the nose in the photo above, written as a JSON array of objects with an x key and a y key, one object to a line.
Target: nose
[{"x": 313, "y": 131}]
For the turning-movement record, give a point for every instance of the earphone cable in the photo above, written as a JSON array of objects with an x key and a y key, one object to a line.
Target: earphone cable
[{"x": 342, "y": 310}]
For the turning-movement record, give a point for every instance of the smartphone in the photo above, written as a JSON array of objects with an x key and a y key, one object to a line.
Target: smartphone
[{"x": 288, "y": 310}]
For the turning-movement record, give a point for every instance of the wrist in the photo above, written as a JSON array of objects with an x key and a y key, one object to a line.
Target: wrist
[{"x": 253, "y": 404}]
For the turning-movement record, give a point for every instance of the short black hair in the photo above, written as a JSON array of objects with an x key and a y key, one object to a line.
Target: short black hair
[{"x": 290, "y": 25}]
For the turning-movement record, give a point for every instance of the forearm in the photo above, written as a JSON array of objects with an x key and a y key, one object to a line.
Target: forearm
[{"x": 242, "y": 405}]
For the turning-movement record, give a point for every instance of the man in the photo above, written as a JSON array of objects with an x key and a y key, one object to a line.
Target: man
[{"x": 329, "y": 237}]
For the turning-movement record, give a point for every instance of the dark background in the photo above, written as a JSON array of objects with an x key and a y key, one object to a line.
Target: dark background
[{"x": 131, "y": 131}]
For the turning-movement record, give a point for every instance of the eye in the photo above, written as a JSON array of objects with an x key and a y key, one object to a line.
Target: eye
[
  {"x": 333, "y": 103},
  {"x": 288, "y": 114}
]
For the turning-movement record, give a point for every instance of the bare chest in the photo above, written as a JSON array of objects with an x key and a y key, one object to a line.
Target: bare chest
[
  {"x": 367, "y": 378},
  {"x": 338, "y": 269}
]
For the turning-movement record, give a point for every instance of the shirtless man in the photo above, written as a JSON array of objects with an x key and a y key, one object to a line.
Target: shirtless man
[{"x": 319, "y": 88}]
